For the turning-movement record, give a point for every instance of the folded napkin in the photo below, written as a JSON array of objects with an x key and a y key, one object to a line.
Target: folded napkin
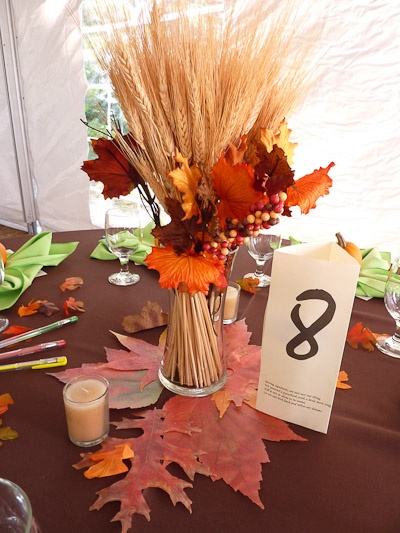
[
  {"x": 373, "y": 273},
  {"x": 142, "y": 241},
  {"x": 23, "y": 265}
]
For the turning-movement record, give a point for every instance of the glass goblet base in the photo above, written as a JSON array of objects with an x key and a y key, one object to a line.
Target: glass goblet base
[
  {"x": 390, "y": 346},
  {"x": 263, "y": 281},
  {"x": 3, "y": 323},
  {"x": 124, "y": 278}
]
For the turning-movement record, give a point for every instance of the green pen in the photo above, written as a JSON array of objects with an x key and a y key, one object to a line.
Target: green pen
[
  {"x": 50, "y": 362},
  {"x": 39, "y": 331}
]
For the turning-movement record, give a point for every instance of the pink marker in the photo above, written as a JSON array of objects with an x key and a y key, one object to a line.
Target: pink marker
[{"x": 33, "y": 349}]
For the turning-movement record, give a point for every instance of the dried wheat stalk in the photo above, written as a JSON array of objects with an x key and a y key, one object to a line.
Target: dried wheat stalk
[{"x": 198, "y": 82}]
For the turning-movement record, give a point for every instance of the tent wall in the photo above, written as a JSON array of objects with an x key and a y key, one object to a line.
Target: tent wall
[{"x": 53, "y": 91}]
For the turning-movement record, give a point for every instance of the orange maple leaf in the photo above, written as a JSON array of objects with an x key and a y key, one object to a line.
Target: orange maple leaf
[
  {"x": 341, "y": 378},
  {"x": 30, "y": 309},
  {"x": 234, "y": 186},
  {"x": 5, "y": 401},
  {"x": 72, "y": 283},
  {"x": 109, "y": 463},
  {"x": 360, "y": 335},
  {"x": 306, "y": 190},
  {"x": 193, "y": 270},
  {"x": 186, "y": 180}
]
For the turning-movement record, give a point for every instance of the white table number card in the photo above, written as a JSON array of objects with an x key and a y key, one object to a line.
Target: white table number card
[{"x": 305, "y": 326}]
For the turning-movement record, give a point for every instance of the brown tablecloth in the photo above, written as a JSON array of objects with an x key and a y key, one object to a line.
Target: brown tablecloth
[{"x": 347, "y": 480}]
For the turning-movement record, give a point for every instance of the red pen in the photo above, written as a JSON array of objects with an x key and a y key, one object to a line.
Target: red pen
[{"x": 32, "y": 349}]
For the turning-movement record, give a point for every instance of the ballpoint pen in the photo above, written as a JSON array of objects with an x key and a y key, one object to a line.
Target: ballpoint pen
[
  {"x": 35, "y": 332},
  {"x": 32, "y": 349},
  {"x": 50, "y": 362}
]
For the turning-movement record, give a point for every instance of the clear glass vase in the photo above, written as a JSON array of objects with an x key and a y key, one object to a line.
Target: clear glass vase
[{"x": 193, "y": 363}]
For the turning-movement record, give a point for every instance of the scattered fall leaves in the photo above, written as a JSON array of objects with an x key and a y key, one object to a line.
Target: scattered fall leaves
[
  {"x": 72, "y": 283},
  {"x": 3, "y": 253},
  {"x": 38, "y": 306},
  {"x": 359, "y": 335},
  {"x": 72, "y": 306},
  {"x": 249, "y": 284},
  {"x": 15, "y": 330},
  {"x": 6, "y": 433},
  {"x": 342, "y": 377},
  {"x": 109, "y": 463},
  {"x": 151, "y": 316}
]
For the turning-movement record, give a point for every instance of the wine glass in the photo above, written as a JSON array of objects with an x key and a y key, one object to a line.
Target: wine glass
[
  {"x": 3, "y": 320},
  {"x": 391, "y": 346},
  {"x": 261, "y": 248},
  {"x": 120, "y": 224}
]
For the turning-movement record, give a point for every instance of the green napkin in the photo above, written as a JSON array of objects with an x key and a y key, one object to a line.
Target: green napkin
[
  {"x": 373, "y": 273},
  {"x": 142, "y": 242},
  {"x": 24, "y": 264}
]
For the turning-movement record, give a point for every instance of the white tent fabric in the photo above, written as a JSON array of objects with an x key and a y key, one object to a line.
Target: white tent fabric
[
  {"x": 349, "y": 117},
  {"x": 53, "y": 89}
]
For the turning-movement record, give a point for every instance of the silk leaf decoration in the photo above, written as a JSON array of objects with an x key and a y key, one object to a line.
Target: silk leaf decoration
[{"x": 220, "y": 436}]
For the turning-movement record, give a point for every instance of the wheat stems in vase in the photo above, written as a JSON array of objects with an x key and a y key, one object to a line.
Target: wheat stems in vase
[{"x": 193, "y": 354}]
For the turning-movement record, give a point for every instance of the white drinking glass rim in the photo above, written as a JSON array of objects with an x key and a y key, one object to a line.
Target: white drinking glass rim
[{"x": 80, "y": 378}]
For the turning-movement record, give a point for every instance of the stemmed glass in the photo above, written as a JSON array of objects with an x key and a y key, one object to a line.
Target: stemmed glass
[
  {"x": 120, "y": 224},
  {"x": 3, "y": 320},
  {"x": 261, "y": 248},
  {"x": 391, "y": 346}
]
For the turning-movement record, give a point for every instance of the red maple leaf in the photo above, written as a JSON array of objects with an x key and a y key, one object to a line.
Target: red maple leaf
[
  {"x": 152, "y": 455},
  {"x": 133, "y": 374},
  {"x": 111, "y": 168}
]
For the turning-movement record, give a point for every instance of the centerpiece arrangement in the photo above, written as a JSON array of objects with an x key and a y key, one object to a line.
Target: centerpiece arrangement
[{"x": 205, "y": 94}]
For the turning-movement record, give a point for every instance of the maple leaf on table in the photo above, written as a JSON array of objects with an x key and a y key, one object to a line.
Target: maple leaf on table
[
  {"x": 234, "y": 444},
  {"x": 133, "y": 374},
  {"x": 152, "y": 454},
  {"x": 151, "y": 316}
]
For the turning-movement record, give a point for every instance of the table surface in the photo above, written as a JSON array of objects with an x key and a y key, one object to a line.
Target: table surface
[{"x": 347, "y": 480}]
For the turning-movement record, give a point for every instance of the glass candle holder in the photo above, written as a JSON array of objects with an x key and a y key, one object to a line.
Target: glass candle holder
[
  {"x": 86, "y": 409},
  {"x": 231, "y": 302}
]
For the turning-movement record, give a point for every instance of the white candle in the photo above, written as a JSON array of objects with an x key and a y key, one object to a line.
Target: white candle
[
  {"x": 86, "y": 409},
  {"x": 231, "y": 302}
]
